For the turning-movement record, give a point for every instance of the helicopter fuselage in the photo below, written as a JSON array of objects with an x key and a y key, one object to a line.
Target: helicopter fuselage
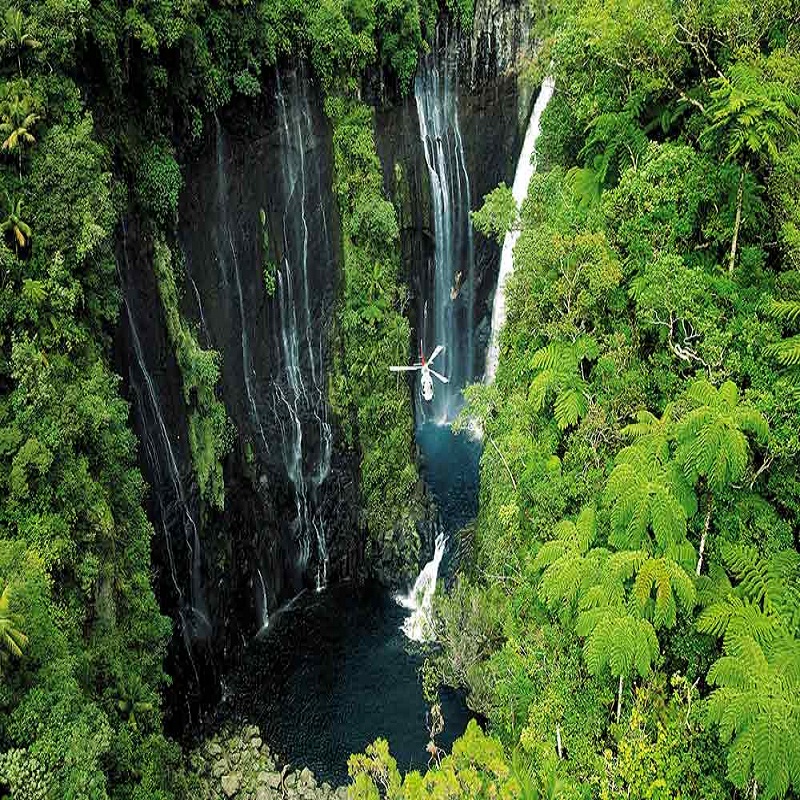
[{"x": 426, "y": 383}]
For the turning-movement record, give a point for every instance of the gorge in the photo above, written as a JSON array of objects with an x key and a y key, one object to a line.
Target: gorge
[
  {"x": 260, "y": 246},
  {"x": 247, "y": 552}
]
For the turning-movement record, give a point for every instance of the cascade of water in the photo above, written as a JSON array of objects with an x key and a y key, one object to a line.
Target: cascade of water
[
  {"x": 178, "y": 512},
  {"x": 452, "y": 296},
  {"x": 418, "y": 626},
  {"x": 226, "y": 254},
  {"x": 264, "y": 606},
  {"x": 203, "y": 325},
  {"x": 299, "y": 399},
  {"x": 526, "y": 166}
]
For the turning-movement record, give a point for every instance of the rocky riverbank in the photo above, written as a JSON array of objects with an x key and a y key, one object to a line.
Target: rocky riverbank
[{"x": 238, "y": 765}]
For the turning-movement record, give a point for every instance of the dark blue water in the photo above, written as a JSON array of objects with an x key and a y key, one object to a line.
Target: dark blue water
[{"x": 334, "y": 671}]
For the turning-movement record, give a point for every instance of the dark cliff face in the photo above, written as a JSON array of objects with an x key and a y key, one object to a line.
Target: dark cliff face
[{"x": 257, "y": 199}]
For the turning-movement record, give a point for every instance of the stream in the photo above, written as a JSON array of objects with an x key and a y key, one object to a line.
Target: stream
[{"x": 335, "y": 670}]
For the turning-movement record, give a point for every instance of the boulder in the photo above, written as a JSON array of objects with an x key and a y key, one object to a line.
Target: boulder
[
  {"x": 273, "y": 780},
  {"x": 231, "y": 784}
]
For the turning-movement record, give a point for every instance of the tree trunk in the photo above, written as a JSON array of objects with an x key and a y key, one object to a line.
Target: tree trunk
[
  {"x": 738, "y": 221},
  {"x": 619, "y": 698},
  {"x": 706, "y": 526},
  {"x": 558, "y": 741}
]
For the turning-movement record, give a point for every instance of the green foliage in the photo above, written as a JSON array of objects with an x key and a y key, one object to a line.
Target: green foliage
[
  {"x": 12, "y": 639},
  {"x": 372, "y": 333},
  {"x": 159, "y": 182},
  {"x": 477, "y": 767},
  {"x": 210, "y": 433},
  {"x": 498, "y": 214},
  {"x": 670, "y": 155},
  {"x": 560, "y": 368},
  {"x": 757, "y": 679},
  {"x": 712, "y": 437}
]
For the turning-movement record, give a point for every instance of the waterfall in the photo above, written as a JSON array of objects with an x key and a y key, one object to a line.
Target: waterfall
[
  {"x": 526, "y": 166},
  {"x": 419, "y": 625},
  {"x": 450, "y": 294},
  {"x": 225, "y": 244},
  {"x": 263, "y": 604},
  {"x": 177, "y": 513},
  {"x": 298, "y": 395}
]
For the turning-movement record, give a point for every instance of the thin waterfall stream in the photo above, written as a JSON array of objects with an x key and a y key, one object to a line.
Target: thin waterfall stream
[
  {"x": 526, "y": 166},
  {"x": 299, "y": 399}
]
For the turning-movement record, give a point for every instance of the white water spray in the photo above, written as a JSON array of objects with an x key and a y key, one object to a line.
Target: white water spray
[
  {"x": 419, "y": 625},
  {"x": 526, "y": 166},
  {"x": 264, "y": 605}
]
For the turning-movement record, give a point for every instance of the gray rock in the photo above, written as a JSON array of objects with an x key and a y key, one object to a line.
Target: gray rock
[
  {"x": 231, "y": 784},
  {"x": 273, "y": 780}
]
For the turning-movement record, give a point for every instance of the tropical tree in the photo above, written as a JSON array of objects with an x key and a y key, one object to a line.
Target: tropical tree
[
  {"x": 565, "y": 560},
  {"x": 756, "y": 702},
  {"x": 15, "y": 35},
  {"x": 648, "y": 491},
  {"x": 617, "y": 642},
  {"x": 787, "y": 310},
  {"x": 560, "y": 376},
  {"x": 757, "y": 115},
  {"x": 12, "y": 638},
  {"x": 15, "y": 225},
  {"x": 713, "y": 441},
  {"x": 18, "y": 115}
]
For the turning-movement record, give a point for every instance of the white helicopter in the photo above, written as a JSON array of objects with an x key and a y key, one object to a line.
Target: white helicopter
[{"x": 425, "y": 368}]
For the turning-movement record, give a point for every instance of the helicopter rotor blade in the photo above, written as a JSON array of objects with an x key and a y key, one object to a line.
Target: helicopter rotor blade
[
  {"x": 435, "y": 353},
  {"x": 440, "y": 377},
  {"x": 406, "y": 369}
]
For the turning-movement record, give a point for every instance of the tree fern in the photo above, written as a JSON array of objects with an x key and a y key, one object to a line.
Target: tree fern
[
  {"x": 661, "y": 585},
  {"x": 618, "y": 642},
  {"x": 787, "y": 351},
  {"x": 712, "y": 437},
  {"x": 564, "y": 560},
  {"x": 756, "y": 706},
  {"x": 559, "y": 378},
  {"x": 651, "y": 430},
  {"x": 646, "y": 492}
]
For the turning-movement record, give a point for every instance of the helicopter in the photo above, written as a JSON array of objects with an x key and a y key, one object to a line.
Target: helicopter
[{"x": 425, "y": 368}]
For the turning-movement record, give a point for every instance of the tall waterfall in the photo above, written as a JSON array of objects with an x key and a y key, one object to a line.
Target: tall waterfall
[
  {"x": 228, "y": 261},
  {"x": 299, "y": 401},
  {"x": 526, "y": 166},
  {"x": 176, "y": 515},
  {"x": 448, "y": 315}
]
